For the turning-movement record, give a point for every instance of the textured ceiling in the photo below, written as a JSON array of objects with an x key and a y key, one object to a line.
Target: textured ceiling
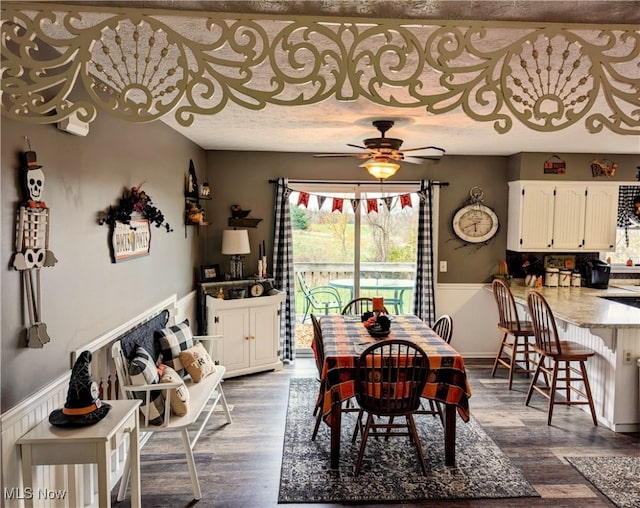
[{"x": 331, "y": 124}]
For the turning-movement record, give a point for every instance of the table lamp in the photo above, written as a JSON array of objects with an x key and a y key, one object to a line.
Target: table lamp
[{"x": 235, "y": 243}]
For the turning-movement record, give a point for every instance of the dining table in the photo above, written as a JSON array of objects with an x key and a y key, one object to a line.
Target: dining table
[{"x": 344, "y": 340}]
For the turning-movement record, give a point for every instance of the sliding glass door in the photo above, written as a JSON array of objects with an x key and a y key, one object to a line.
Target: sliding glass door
[{"x": 349, "y": 241}]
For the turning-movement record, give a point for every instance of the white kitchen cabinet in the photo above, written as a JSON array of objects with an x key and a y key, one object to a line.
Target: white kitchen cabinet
[
  {"x": 600, "y": 217},
  {"x": 250, "y": 330},
  {"x": 562, "y": 216},
  {"x": 569, "y": 217},
  {"x": 530, "y": 221}
]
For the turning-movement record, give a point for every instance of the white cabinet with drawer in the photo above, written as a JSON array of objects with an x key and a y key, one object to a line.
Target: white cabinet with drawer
[
  {"x": 562, "y": 216},
  {"x": 250, "y": 330}
]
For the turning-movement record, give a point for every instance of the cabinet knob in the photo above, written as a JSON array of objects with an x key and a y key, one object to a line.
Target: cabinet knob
[{"x": 248, "y": 337}]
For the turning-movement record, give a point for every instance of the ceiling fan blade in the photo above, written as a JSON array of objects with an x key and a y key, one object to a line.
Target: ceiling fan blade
[
  {"x": 413, "y": 160},
  {"x": 357, "y": 146},
  {"x": 356, "y": 155},
  {"x": 424, "y": 148}
]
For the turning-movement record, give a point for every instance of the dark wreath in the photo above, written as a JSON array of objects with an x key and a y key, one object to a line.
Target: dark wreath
[{"x": 134, "y": 201}]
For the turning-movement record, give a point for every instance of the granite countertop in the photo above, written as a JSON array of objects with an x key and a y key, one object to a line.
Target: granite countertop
[{"x": 583, "y": 307}]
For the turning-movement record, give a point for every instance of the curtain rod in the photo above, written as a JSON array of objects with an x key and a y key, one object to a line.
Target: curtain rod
[{"x": 346, "y": 182}]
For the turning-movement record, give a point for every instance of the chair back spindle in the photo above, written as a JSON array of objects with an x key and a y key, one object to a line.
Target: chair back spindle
[
  {"x": 544, "y": 324},
  {"x": 444, "y": 327},
  {"x": 359, "y": 306}
]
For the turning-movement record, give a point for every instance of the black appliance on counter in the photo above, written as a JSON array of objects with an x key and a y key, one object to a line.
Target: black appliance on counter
[{"x": 597, "y": 274}]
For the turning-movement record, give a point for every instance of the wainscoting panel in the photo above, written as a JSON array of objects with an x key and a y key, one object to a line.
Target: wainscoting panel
[{"x": 475, "y": 317}]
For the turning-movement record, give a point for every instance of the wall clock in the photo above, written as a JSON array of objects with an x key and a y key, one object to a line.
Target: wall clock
[{"x": 475, "y": 222}]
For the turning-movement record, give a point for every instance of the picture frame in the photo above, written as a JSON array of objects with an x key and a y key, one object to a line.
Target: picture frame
[{"x": 210, "y": 273}]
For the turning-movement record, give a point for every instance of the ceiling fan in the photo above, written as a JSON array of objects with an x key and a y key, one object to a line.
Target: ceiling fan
[{"x": 382, "y": 154}]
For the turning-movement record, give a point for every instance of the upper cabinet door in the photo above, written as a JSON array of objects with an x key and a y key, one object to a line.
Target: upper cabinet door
[
  {"x": 600, "y": 217},
  {"x": 569, "y": 218},
  {"x": 531, "y": 212}
]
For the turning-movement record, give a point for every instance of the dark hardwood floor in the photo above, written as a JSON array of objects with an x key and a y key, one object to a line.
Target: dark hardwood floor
[{"x": 241, "y": 466}]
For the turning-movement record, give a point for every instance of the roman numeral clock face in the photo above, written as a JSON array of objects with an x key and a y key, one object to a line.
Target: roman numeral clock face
[{"x": 475, "y": 223}]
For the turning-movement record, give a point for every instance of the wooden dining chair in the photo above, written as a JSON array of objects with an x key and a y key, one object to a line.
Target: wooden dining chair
[
  {"x": 390, "y": 377},
  {"x": 444, "y": 327},
  {"x": 317, "y": 345},
  {"x": 359, "y": 306},
  {"x": 516, "y": 352},
  {"x": 561, "y": 354}
]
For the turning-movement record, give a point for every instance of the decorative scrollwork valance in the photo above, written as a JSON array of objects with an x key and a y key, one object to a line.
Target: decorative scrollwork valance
[{"x": 142, "y": 64}]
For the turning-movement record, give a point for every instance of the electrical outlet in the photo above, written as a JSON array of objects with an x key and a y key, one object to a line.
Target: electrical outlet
[
  {"x": 626, "y": 357},
  {"x": 443, "y": 266}
]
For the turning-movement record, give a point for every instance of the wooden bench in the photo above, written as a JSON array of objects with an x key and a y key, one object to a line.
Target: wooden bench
[{"x": 203, "y": 396}]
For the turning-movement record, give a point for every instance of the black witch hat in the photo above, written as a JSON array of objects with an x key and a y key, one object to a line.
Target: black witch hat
[{"x": 83, "y": 406}]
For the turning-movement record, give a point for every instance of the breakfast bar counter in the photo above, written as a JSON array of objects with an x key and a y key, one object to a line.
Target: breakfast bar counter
[
  {"x": 612, "y": 330},
  {"x": 585, "y": 307}
]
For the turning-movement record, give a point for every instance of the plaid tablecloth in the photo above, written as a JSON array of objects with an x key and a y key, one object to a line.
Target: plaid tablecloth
[{"x": 345, "y": 338}]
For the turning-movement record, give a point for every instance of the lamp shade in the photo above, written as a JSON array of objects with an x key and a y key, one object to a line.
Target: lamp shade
[
  {"x": 381, "y": 170},
  {"x": 235, "y": 242}
]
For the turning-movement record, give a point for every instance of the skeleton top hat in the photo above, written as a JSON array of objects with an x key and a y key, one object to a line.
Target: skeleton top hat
[
  {"x": 83, "y": 407},
  {"x": 30, "y": 160}
]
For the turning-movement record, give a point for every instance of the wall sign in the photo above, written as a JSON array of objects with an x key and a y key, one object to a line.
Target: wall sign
[
  {"x": 555, "y": 167},
  {"x": 130, "y": 240}
]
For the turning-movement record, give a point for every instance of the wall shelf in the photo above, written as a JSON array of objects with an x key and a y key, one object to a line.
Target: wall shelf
[{"x": 245, "y": 222}]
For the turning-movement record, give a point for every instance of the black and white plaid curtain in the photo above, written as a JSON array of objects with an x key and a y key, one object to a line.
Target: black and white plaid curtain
[
  {"x": 283, "y": 269},
  {"x": 627, "y": 197},
  {"x": 424, "y": 295}
]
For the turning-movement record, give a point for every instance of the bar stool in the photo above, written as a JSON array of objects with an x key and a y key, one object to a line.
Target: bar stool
[
  {"x": 561, "y": 353},
  {"x": 515, "y": 335}
]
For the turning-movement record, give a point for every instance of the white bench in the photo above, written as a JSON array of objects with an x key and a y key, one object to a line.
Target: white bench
[{"x": 203, "y": 397}]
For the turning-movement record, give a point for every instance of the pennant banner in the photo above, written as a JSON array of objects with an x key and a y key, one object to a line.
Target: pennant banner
[
  {"x": 405, "y": 200},
  {"x": 303, "y": 199},
  {"x": 337, "y": 204}
]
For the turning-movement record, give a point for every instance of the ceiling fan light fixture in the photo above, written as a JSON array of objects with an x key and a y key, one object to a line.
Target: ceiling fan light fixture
[{"x": 381, "y": 170}]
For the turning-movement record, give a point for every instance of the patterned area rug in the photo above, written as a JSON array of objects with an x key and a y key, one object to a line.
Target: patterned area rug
[
  {"x": 390, "y": 470},
  {"x": 618, "y": 478}
]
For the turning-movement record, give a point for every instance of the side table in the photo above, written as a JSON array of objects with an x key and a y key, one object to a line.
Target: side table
[{"x": 46, "y": 444}]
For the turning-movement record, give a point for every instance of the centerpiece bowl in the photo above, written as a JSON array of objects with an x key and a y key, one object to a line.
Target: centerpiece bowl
[{"x": 378, "y": 325}]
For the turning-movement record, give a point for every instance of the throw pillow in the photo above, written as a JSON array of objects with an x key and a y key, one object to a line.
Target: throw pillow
[
  {"x": 143, "y": 371},
  {"x": 197, "y": 362},
  {"x": 172, "y": 340},
  {"x": 179, "y": 397}
]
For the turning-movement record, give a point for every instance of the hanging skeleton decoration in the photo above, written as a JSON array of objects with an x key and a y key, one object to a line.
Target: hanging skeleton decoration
[{"x": 32, "y": 247}]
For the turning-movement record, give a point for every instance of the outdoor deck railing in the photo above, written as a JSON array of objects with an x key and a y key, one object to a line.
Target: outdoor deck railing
[{"x": 319, "y": 274}]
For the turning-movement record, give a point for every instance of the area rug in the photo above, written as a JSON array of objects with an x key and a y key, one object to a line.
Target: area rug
[
  {"x": 618, "y": 478},
  {"x": 390, "y": 470}
]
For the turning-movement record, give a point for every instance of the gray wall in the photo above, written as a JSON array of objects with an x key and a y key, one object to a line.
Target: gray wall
[
  {"x": 242, "y": 178},
  {"x": 85, "y": 295}
]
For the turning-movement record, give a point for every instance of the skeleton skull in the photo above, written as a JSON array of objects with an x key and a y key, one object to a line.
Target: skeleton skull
[{"x": 35, "y": 183}]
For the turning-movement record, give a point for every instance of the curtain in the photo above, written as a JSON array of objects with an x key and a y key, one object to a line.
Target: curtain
[
  {"x": 628, "y": 215},
  {"x": 424, "y": 295},
  {"x": 283, "y": 269}
]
